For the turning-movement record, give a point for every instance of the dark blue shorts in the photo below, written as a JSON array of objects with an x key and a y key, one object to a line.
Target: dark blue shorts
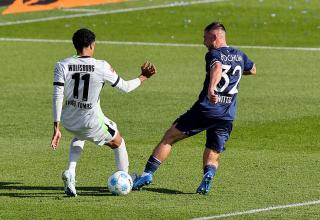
[{"x": 218, "y": 131}]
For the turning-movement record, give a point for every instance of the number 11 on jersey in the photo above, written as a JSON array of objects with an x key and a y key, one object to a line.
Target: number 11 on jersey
[{"x": 86, "y": 79}]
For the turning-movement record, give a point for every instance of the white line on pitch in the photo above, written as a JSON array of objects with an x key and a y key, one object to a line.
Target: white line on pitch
[
  {"x": 155, "y": 44},
  {"x": 253, "y": 211},
  {"x": 81, "y": 9},
  {"x": 169, "y": 5}
]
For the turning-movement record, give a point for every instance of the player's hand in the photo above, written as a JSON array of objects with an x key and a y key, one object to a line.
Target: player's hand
[
  {"x": 148, "y": 69},
  {"x": 56, "y": 137},
  {"x": 212, "y": 96}
]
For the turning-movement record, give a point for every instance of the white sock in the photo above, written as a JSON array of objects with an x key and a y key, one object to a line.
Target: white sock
[
  {"x": 121, "y": 157},
  {"x": 76, "y": 148}
]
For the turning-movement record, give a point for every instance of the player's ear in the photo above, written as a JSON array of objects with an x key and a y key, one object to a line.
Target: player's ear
[
  {"x": 92, "y": 45},
  {"x": 214, "y": 36}
]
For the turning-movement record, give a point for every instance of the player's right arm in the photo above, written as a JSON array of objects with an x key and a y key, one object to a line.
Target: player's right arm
[
  {"x": 147, "y": 70},
  {"x": 57, "y": 100},
  {"x": 215, "y": 77},
  {"x": 56, "y": 137},
  {"x": 213, "y": 58}
]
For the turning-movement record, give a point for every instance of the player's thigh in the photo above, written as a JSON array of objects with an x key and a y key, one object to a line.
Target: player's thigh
[
  {"x": 190, "y": 123},
  {"x": 103, "y": 133},
  {"x": 218, "y": 134},
  {"x": 112, "y": 134}
]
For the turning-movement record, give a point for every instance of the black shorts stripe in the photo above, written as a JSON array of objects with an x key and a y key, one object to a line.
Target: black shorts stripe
[
  {"x": 110, "y": 130},
  {"x": 117, "y": 81},
  {"x": 58, "y": 84}
]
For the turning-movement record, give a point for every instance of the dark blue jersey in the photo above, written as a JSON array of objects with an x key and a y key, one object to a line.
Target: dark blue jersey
[{"x": 234, "y": 63}]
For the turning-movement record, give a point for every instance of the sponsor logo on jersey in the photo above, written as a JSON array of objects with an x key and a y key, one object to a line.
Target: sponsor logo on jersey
[
  {"x": 231, "y": 58},
  {"x": 78, "y": 104}
]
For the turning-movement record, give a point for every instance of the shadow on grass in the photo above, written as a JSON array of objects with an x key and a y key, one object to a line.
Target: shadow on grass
[
  {"x": 166, "y": 191},
  {"x": 16, "y": 189}
]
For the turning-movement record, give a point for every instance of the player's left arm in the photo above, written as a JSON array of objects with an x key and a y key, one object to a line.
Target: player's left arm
[
  {"x": 215, "y": 77},
  {"x": 126, "y": 86},
  {"x": 249, "y": 66},
  {"x": 252, "y": 71}
]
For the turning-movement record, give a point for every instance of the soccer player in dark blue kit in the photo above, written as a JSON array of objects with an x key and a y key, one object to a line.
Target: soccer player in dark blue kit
[{"x": 213, "y": 112}]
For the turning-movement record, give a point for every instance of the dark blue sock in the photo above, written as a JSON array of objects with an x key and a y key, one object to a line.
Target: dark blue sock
[
  {"x": 152, "y": 165},
  {"x": 210, "y": 168}
]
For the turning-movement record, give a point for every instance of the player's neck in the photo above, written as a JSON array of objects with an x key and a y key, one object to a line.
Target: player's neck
[
  {"x": 85, "y": 53},
  {"x": 219, "y": 45}
]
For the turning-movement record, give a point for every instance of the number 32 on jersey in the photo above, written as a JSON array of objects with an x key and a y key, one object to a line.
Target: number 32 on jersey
[{"x": 225, "y": 70}]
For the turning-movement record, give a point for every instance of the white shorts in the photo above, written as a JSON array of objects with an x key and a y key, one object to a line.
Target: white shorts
[{"x": 99, "y": 133}]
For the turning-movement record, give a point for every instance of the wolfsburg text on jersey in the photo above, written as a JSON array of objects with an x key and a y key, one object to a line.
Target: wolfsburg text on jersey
[{"x": 80, "y": 68}]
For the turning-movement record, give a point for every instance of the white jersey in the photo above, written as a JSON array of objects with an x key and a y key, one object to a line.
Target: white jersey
[{"x": 79, "y": 80}]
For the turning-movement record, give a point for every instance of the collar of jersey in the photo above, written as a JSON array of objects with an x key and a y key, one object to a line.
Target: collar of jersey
[{"x": 77, "y": 56}]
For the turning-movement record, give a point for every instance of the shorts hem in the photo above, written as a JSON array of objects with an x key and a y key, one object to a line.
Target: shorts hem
[{"x": 104, "y": 142}]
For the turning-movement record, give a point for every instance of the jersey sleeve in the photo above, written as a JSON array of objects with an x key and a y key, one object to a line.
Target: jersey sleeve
[
  {"x": 58, "y": 89},
  {"x": 110, "y": 76},
  {"x": 213, "y": 57},
  {"x": 248, "y": 64},
  {"x": 59, "y": 76}
]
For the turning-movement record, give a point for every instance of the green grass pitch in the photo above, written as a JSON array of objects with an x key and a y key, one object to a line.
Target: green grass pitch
[{"x": 272, "y": 157}]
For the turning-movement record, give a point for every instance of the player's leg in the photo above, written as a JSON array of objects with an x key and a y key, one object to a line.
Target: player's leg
[
  {"x": 210, "y": 166},
  {"x": 118, "y": 145},
  {"x": 210, "y": 158},
  {"x": 215, "y": 145},
  {"x": 68, "y": 176},
  {"x": 163, "y": 149},
  {"x": 160, "y": 153}
]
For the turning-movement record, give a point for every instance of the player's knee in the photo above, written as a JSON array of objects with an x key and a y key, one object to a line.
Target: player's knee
[
  {"x": 76, "y": 143},
  {"x": 116, "y": 142},
  {"x": 171, "y": 136}
]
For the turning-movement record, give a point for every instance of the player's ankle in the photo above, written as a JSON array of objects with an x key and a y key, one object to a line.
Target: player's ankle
[
  {"x": 146, "y": 174},
  {"x": 152, "y": 165},
  {"x": 209, "y": 169}
]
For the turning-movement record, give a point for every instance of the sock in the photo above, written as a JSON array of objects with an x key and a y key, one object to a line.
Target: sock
[
  {"x": 210, "y": 168},
  {"x": 121, "y": 157},
  {"x": 76, "y": 148},
  {"x": 151, "y": 166}
]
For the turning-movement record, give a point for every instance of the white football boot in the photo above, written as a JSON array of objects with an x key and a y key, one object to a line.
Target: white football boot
[{"x": 69, "y": 184}]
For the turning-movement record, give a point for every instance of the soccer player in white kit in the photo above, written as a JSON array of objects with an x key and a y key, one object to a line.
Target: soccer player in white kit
[{"x": 78, "y": 81}]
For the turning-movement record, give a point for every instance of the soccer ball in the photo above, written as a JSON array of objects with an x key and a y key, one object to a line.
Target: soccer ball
[{"x": 120, "y": 183}]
